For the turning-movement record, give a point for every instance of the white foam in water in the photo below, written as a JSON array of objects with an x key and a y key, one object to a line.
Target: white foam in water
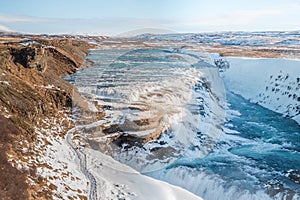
[
  {"x": 233, "y": 113},
  {"x": 206, "y": 185},
  {"x": 162, "y": 87},
  {"x": 227, "y": 130}
]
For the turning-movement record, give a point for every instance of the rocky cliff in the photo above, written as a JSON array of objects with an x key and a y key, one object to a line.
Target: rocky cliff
[{"x": 34, "y": 102}]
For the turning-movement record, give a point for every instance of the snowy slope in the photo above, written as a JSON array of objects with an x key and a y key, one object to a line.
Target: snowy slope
[
  {"x": 118, "y": 181},
  {"x": 272, "y": 83}
]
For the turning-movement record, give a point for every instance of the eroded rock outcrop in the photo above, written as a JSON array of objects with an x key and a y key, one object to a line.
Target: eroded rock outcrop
[{"x": 32, "y": 90}]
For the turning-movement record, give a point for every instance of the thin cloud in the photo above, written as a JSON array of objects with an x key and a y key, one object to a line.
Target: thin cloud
[
  {"x": 279, "y": 17},
  {"x": 236, "y": 18},
  {"x": 5, "y": 29},
  {"x": 5, "y": 18},
  {"x": 101, "y": 26}
]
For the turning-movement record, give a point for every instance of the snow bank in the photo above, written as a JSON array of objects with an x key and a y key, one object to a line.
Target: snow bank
[
  {"x": 271, "y": 82},
  {"x": 118, "y": 181}
]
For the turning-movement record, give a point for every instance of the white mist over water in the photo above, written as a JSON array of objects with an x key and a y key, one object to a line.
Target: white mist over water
[{"x": 179, "y": 94}]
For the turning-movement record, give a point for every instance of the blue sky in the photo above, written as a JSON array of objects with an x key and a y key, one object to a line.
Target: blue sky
[{"x": 111, "y": 17}]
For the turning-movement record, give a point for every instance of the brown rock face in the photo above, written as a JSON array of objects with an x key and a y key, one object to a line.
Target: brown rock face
[
  {"x": 32, "y": 88},
  {"x": 16, "y": 189},
  {"x": 23, "y": 56}
]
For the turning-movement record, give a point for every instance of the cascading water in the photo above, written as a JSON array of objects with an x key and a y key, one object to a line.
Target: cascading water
[
  {"x": 256, "y": 158},
  {"x": 164, "y": 112},
  {"x": 158, "y": 99}
]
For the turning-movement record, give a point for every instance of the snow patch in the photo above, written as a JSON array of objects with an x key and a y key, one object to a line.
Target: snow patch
[{"x": 5, "y": 82}]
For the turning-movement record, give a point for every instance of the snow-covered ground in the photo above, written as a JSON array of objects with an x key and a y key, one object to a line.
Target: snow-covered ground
[
  {"x": 55, "y": 160},
  {"x": 271, "y": 82},
  {"x": 231, "y": 38},
  {"x": 118, "y": 181},
  {"x": 114, "y": 180}
]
